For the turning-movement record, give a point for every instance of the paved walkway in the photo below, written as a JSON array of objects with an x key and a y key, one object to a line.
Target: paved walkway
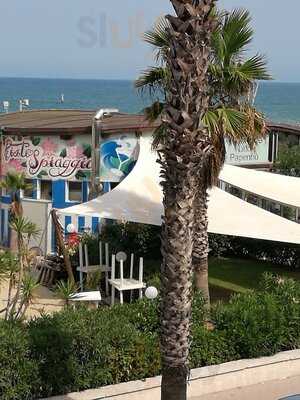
[{"x": 269, "y": 391}]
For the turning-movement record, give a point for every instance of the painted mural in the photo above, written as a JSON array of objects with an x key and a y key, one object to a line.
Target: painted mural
[
  {"x": 118, "y": 156},
  {"x": 47, "y": 157}
]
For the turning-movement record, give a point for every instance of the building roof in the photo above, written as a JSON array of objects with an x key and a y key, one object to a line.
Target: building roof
[
  {"x": 80, "y": 121},
  {"x": 68, "y": 122},
  {"x": 285, "y": 128},
  {"x": 139, "y": 198}
]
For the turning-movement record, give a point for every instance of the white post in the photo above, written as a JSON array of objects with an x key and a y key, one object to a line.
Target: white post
[
  {"x": 107, "y": 255},
  {"x": 86, "y": 254},
  {"x": 121, "y": 280},
  {"x": 131, "y": 266},
  {"x": 113, "y": 267},
  {"x": 81, "y": 266},
  {"x": 100, "y": 253},
  {"x": 131, "y": 273},
  {"x": 141, "y": 271},
  {"x": 281, "y": 210},
  {"x": 121, "y": 272}
]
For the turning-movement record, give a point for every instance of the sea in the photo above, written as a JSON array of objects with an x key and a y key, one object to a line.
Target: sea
[{"x": 280, "y": 102}]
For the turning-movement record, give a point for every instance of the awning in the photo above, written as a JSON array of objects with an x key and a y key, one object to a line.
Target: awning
[
  {"x": 138, "y": 198},
  {"x": 279, "y": 188}
]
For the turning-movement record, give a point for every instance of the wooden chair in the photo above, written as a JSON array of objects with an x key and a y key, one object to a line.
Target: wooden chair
[
  {"x": 86, "y": 268},
  {"x": 123, "y": 284}
]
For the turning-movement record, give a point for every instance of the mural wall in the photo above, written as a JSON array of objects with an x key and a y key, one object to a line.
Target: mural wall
[
  {"x": 47, "y": 157},
  {"x": 118, "y": 155}
]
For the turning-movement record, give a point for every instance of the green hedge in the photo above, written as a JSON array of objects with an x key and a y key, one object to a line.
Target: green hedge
[
  {"x": 19, "y": 375},
  {"x": 283, "y": 254},
  {"x": 80, "y": 349}
]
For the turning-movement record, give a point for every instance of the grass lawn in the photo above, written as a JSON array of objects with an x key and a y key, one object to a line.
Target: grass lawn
[
  {"x": 240, "y": 275},
  {"x": 228, "y": 275}
]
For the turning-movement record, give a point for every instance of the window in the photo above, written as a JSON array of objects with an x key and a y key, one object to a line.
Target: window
[
  {"x": 75, "y": 191},
  {"x": 28, "y": 192},
  {"x": 45, "y": 190}
]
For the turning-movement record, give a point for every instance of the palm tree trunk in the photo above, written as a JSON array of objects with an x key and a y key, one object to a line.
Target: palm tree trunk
[
  {"x": 201, "y": 245},
  {"x": 10, "y": 286},
  {"x": 181, "y": 159},
  {"x": 20, "y": 278},
  {"x": 177, "y": 244}
]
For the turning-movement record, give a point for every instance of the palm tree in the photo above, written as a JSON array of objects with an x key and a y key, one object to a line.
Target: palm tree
[
  {"x": 64, "y": 290},
  {"x": 231, "y": 114},
  {"x": 14, "y": 183},
  {"x": 24, "y": 230},
  {"x": 181, "y": 156}
]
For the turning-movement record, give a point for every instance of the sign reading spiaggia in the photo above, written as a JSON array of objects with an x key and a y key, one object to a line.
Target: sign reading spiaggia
[{"x": 48, "y": 157}]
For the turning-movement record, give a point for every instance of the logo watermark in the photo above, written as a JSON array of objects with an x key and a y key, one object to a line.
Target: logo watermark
[{"x": 103, "y": 31}]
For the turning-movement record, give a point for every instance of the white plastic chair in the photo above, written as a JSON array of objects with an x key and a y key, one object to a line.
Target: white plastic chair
[
  {"x": 86, "y": 268},
  {"x": 123, "y": 284},
  {"x": 87, "y": 297}
]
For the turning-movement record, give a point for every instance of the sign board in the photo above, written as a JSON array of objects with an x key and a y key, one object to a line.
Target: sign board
[
  {"x": 47, "y": 157},
  {"x": 241, "y": 154},
  {"x": 118, "y": 156}
]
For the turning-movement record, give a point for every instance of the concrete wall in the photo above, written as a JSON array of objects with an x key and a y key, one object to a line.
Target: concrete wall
[{"x": 205, "y": 381}]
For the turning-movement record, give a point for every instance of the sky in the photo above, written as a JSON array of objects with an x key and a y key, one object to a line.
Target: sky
[{"x": 101, "y": 39}]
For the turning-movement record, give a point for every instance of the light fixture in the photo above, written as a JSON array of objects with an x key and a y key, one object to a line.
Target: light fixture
[
  {"x": 121, "y": 256},
  {"x": 151, "y": 293},
  {"x": 71, "y": 228}
]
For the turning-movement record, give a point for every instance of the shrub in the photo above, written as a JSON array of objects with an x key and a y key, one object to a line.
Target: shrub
[
  {"x": 84, "y": 349},
  {"x": 209, "y": 348},
  {"x": 143, "y": 314},
  {"x": 19, "y": 372},
  {"x": 142, "y": 240},
  {"x": 254, "y": 324},
  {"x": 79, "y": 349}
]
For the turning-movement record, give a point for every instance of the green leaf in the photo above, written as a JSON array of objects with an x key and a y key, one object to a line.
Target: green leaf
[
  {"x": 63, "y": 153},
  {"x": 41, "y": 174},
  {"x": 35, "y": 140},
  {"x": 80, "y": 175},
  {"x": 88, "y": 151}
]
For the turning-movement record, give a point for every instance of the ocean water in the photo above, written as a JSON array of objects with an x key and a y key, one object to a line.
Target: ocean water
[{"x": 279, "y": 101}]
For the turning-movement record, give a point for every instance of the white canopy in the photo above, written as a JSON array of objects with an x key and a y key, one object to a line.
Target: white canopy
[
  {"x": 138, "y": 198},
  {"x": 282, "y": 189}
]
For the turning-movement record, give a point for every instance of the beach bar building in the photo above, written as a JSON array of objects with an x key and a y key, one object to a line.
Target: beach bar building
[
  {"x": 55, "y": 150},
  {"x": 71, "y": 156}
]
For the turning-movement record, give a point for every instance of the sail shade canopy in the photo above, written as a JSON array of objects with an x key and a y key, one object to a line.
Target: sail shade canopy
[{"x": 138, "y": 198}]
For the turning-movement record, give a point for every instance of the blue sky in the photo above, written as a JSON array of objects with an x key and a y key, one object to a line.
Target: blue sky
[{"x": 101, "y": 39}]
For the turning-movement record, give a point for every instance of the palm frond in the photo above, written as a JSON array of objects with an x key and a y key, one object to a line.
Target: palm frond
[
  {"x": 159, "y": 137},
  {"x": 15, "y": 181},
  {"x": 23, "y": 226},
  {"x": 153, "y": 112},
  {"x": 255, "y": 68},
  {"x": 158, "y": 37},
  {"x": 153, "y": 80},
  {"x": 237, "y": 33}
]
